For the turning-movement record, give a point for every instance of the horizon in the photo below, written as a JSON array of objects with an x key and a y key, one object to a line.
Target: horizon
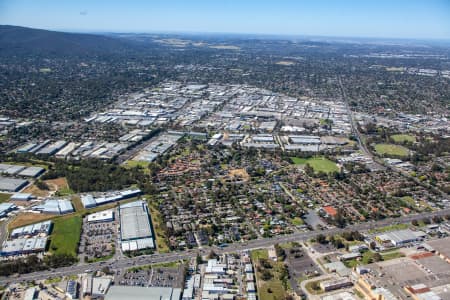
[
  {"x": 280, "y": 36},
  {"x": 408, "y": 20}
]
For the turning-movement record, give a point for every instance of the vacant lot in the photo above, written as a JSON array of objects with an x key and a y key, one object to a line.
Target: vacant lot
[
  {"x": 401, "y": 138},
  {"x": 161, "y": 244},
  {"x": 28, "y": 218},
  {"x": 35, "y": 191},
  {"x": 389, "y": 228},
  {"x": 137, "y": 163},
  {"x": 319, "y": 164},
  {"x": 273, "y": 288},
  {"x": 391, "y": 150},
  {"x": 66, "y": 235},
  {"x": 60, "y": 185},
  {"x": 239, "y": 173},
  {"x": 368, "y": 258}
]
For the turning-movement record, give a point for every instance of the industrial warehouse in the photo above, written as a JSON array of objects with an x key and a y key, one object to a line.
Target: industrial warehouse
[
  {"x": 41, "y": 228},
  {"x": 55, "y": 206},
  {"x": 135, "y": 226},
  {"x": 20, "y": 170},
  {"x": 12, "y": 184},
  {"x": 400, "y": 237},
  {"x": 27, "y": 239},
  {"x": 24, "y": 246},
  {"x": 90, "y": 200}
]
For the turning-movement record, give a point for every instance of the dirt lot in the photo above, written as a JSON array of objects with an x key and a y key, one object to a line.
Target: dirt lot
[
  {"x": 239, "y": 173},
  {"x": 28, "y": 218},
  {"x": 35, "y": 191},
  {"x": 58, "y": 184}
]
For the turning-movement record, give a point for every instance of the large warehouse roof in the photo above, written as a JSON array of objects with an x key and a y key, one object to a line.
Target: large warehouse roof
[
  {"x": 55, "y": 206},
  {"x": 140, "y": 293},
  {"x": 36, "y": 228},
  {"x": 21, "y": 170},
  {"x": 400, "y": 236},
  {"x": 134, "y": 221},
  {"x": 12, "y": 184}
]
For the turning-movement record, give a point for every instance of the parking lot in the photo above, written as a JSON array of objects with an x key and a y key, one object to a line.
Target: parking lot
[
  {"x": 153, "y": 276},
  {"x": 98, "y": 239},
  {"x": 300, "y": 263}
]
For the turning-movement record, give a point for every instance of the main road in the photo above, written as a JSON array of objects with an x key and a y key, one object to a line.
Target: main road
[{"x": 125, "y": 262}]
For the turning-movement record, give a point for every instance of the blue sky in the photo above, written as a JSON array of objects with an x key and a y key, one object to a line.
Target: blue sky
[{"x": 364, "y": 18}]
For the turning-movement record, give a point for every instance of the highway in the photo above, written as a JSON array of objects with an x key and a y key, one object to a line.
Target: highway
[{"x": 125, "y": 262}]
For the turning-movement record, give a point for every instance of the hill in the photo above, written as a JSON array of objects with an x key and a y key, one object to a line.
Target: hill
[{"x": 15, "y": 40}]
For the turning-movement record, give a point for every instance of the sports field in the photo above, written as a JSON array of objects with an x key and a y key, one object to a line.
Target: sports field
[
  {"x": 391, "y": 150},
  {"x": 319, "y": 164},
  {"x": 400, "y": 138}
]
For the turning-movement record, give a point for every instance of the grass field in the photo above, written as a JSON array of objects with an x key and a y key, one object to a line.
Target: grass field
[
  {"x": 161, "y": 244},
  {"x": 392, "y": 255},
  {"x": 173, "y": 264},
  {"x": 4, "y": 197},
  {"x": 400, "y": 138},
  {"x": 391, "y": 149},
  {"x": 297, "y": 221},
  {"x": 260, "y": 253},
  {"x": 367, "y": 258},
  {"x": 319, "y": 164},
  {"x": 389, "y": 228},
  {"x": 66, "y": 235},
  {"x": 314, "y": 287},
  {"x": 137, "y": 163},
  {"x": 408, "y": 200},
  {"x": 272, "y": 289},
  {"x": 276, "y": 289}
]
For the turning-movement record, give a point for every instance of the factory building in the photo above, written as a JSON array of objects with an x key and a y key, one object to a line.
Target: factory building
[
  {"x": 41, "y": 228},
  {"x": 55, "y": 206},
  {"x": 12, "y": 184},
  {"x": 400, "y": 237},
  {"x": 135, "y": 226},
  {"x": 117, "y": 292},
  {"x": 334, "y": 284},
  {"x": 89, "y": 200},
  {"x": 102, "y": 216},
  {"x": 5, "y": 208},
  {"x": 24, "y": 246},
  {"x": 21, "y": 197}
]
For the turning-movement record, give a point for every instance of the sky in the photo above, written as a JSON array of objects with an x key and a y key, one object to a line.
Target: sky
[{"x": 416, "y": 19}]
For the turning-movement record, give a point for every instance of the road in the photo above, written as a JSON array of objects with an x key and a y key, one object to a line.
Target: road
[
  {"x": 4, "y": 230},
  {"x": 355, "y": 130},
  {"x": 125, "y": 262}
]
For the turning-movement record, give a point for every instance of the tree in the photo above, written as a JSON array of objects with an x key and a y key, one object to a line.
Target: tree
[
  {"x": 42, "y": 185},
  {"x": 199, "y": 259},
  {"x": 377, "y": 257},
  {"x": 321, "y": 239},
  {"x": 212, "y": 255}
]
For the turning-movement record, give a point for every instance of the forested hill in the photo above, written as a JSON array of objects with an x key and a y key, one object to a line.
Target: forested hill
[{"x": 15, "y": 40}]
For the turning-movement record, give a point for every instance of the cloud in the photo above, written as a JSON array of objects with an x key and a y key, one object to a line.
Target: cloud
[{"x": 84, "y": 12}]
